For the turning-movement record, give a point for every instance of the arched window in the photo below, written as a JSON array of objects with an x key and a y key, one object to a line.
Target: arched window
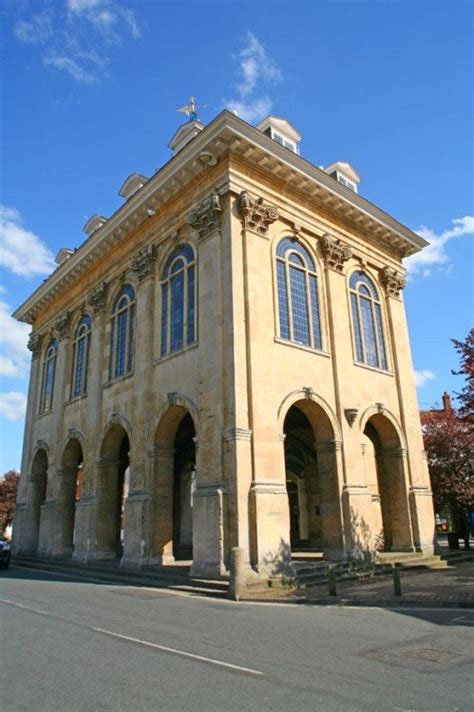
[
  {"x": 298, "y": 302},
  {"x": 178, "y": 301},
  {"x": 122, "y": 333},
  {"x": 366, "y": 311},
  {"x": 80, "y": 357},
  {"x": 49, "y": 372}
]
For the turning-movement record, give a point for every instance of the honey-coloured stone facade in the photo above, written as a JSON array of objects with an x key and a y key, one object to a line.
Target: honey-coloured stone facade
[{"x": 240, "y": 437}]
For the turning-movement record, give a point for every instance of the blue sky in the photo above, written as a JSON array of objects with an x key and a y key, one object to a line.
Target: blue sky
[{"x": 91, "y": 89}]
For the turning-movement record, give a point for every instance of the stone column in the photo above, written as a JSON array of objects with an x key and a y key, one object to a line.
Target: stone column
[
  {"x": 420, "y": 497},
  {"x": 237, "y": 454},
  {"x": 329, "y": 455},
  {"x": 161, "y": 547}
]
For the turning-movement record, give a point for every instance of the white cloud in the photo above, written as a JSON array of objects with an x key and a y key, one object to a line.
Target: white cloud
[
  {"x": 21, "y": 251},
  {"x": 256, "y": 69},
  {"x": 435, "y": 253},
  {"x": 422, "y": 377},
  {"x": 13, "y": 405},
  {"x": 14, "y": 356},
  {"x": 73, "y": 35}
]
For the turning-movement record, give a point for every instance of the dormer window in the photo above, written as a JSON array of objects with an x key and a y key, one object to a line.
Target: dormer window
[
  {"x": 282, "y": 132},
  {"x": 345, "y": 174},
  {"x": 342, "y": 179}
]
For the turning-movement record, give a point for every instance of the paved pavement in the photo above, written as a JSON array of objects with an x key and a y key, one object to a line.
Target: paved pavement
[
  {"x": 72, "y": 645},
  {"x": 452, "y": 587}
]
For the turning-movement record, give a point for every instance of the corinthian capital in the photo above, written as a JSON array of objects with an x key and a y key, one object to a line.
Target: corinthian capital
[
  {"x": 34, "y": 344},
  {"x": 61, "y": 325},
  {"x": 206, "y": 217},
  {"x": 142, "y": 262},
  {"x": 392, "y": 281},
  {"x": 335, "y": 252},
  {"x": 254, "y": 214},
  {"x": 97, "y": 297}
]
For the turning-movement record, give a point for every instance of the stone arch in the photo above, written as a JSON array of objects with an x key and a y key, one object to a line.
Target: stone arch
[
  {"x": 174, "y": 458},
  {"x": 113, "y": 476},
  {"x": 69, "y": 474},
  {"x": 385, "y": 469},
  {"x": 37, "y": 495},
  {"x": 172, "y": 246},
  {"x": 313, "y": 463}
]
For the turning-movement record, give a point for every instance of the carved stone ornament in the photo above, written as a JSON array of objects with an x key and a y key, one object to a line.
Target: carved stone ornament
[
  {"x": 61, "y": 325},
  {"x": 380, "y": 408},
  {"x": 98, "y": 297},
  {"x": 335, "y": 252},
  {"x": 172, "y": 398},
  {"x": 255, "y": 215},
  {"x": 308, "y": 393},
  {"x": 392, "y": 281},
  {"x": 351, "y": 415},
  {"x": 206, "y": 217},
  {"x": 142, "y": 262},
  {"x": 34, "y": 344}
]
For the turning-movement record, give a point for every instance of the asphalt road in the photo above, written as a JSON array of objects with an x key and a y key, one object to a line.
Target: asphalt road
[{"x": 74, "y": 645}]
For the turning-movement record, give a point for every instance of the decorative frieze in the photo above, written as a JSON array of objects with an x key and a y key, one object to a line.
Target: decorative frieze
[
  {"x": 206, "y": 217},
  {"x": 61, "y": 325},
  {"x": 392, "y": 281},
  {"x": 34, "y": 344},
  {"x": 142, "y": 262},
  {"x": 335, "y": 252},
  {"x": 255, "y": 215},
  {"x": 98, "y": 297}
]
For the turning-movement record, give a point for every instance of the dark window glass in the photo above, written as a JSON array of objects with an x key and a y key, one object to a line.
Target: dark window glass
[
  {"x": 178, "y": 301},
  {"x": 369, "y": 341}
]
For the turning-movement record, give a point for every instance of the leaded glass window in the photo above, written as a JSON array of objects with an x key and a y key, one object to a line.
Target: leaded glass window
[
  {"x": 122, "y": 338},
  {"x": 81, "y": 357},
  {"x": 298, "y": 298},
  {"x": 178, "y": 301},
  {"x": 366, "y": 310},
  {"x": 49, "y": 373}
]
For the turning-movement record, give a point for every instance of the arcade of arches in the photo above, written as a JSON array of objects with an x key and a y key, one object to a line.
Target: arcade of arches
[{"x": 156, "y": 523}]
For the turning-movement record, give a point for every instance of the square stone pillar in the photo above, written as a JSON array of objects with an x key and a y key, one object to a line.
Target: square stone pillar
[
  {"x": 208, "y": 530},
  {"x": 161, "y": 544},
  {"x": 136, "y": 543},
  {"x": 106, "y": 509},
  {"x": 422, "y": 517},
  {"x": 270, "y": 516},
  {"x": 65, "y": 513},
  {"x": 329, "y": 457},
  {"x": 47, "y": 530},
  {"x": 85, "y": 539}
]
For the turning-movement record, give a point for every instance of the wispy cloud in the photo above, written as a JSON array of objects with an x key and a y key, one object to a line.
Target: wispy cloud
[
  {"x": 73, "y": 35},
  {"x": 256, "y": 71},
  {"x": 14, "y": 356},
  {"x": 435, "y": 255},
  {"x": 13, "y": 405},
  {"x": 21, "y": 251},
  {"x": 422, "y": 377}
]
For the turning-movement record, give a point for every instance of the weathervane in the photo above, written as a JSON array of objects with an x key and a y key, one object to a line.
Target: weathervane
[{"x": 191, "y": 109}]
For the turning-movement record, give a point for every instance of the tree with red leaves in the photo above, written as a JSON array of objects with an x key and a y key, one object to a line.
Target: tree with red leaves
[
  {"x": 8, "y": 493},
  {"x": 465, "y": 350}
]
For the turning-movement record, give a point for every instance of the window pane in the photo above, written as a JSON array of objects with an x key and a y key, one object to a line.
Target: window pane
[
  {"x": 112, "y": 348},
  {"x": 368, "y": 328},
  {"x": 80, "y": 359},
  {"x": 299, "y": 306},
  {"x": 179, "y": 264},
  {"x": 164, "y": 319},
  {"x": 356, "y": 326},
  {"x": 288, "y": 244},
  {"x": 191, "y": 309},
  {"x": 381, "y": 341},
  {"x": 131, "y": 338},
  {"x": 315, "y": 312},
  {"x": 120, "y": 349},
  {"x": 296, "y": 259},
  {"x": 177, "y": 295},
  {"x": 283, "y": 302}
]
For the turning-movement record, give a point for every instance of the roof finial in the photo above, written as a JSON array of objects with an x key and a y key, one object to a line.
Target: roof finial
[{"x": 191, "y": 109}]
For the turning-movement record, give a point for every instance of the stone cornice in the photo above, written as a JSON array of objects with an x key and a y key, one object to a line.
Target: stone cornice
[{"x": 226, "y": 132}]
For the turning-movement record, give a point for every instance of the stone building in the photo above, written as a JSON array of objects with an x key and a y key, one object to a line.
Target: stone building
[{"x": 227, "y": 359}]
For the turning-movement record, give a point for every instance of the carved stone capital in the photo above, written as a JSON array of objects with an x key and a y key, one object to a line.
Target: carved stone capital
[
  {"x": 61, "y": 325},
  {"x": 98, "y": 297},
  {"x": 142, "y": 262},
  {"x": 254, "y": 214},
  {"x": 206, "y": 217},
  {"x": 335, "y": 252},
  {"x": 392, "y": 281},
  {"x": 34, "y": 344}
]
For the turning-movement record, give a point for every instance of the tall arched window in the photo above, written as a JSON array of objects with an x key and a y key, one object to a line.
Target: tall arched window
[
  {"x": 366, "y": 311},
  {"x": 122, "y": 333},
  {"x": 178, "y": 300},
  {"x": 298, "y": 301},
  {"x": 49, "y": 372},
  {"x": 81, "y": 357}
]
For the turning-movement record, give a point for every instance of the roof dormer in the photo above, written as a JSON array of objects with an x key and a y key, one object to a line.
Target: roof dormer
[
  {"x": 345, "y": 174},
  {"x": 281, "y": 131},
  {"x": 132, "y": 185},
  {"x": 185, "y": 134},
  {"x": 93, "y": 224},
  {"x": 63, "y": 255}
]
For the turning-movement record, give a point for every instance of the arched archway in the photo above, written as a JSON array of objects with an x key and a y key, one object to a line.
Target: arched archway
[
  {"x": 113, "y": 479},
  {"x": 39, "y": 481},
  {"x": 174, "y": 481},
  {"x": 70, "y": 476},
  {"x": 384, "y": 465},
  {"x": 312, "y": 479}
]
